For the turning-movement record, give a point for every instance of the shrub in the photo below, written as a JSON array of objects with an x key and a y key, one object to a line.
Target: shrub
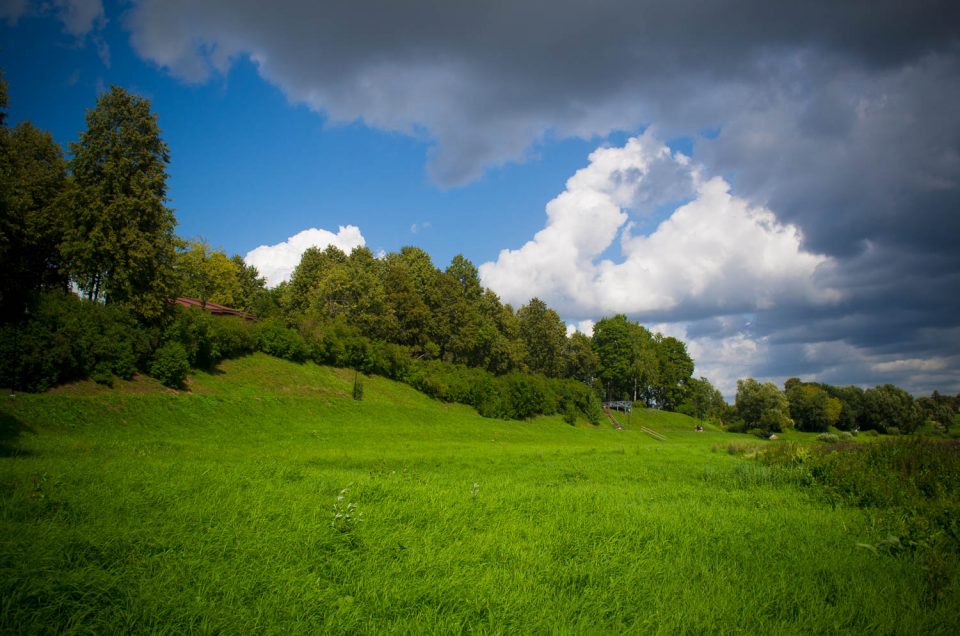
[
  {"x": 191, "y": 329},
  {"x": 70, "y": 339},
  {"x": 828, "y": 438},
  {"x": 524, "y": 395},
  {"x": 233, "y": 336},
  {"x": 170, "y": 365},
  {"x": 273, "y": 338}
]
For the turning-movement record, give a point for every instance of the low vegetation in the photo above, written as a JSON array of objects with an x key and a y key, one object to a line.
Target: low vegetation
[{"x": 266, "y": 499}]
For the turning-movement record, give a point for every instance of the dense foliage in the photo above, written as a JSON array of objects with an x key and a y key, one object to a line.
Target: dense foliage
[
  {"x": 118, "y": 241},
  {"x": 817, "y": 407}
]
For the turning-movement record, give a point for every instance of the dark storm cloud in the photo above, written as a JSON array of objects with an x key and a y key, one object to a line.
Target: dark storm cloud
[
  {"x": 840, "y": 117},
  {"x": 485, "y": 80}
]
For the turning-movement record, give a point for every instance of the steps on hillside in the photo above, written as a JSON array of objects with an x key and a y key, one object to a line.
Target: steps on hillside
[
  {"x": 652, "y": 433},
  {"x": 617, "y": 425}
]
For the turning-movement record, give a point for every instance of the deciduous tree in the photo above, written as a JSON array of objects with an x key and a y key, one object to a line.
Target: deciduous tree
[
  {"x": 119, "y": 242},
  {"x": 811, "y": 407},
  {"x": 762, "y": 406},
  {"x": 33, "y": 183},
  {"x": 544, "y": 335},
  {"x": 889, "y": 407},
  {"x": 208, "y": 274}
]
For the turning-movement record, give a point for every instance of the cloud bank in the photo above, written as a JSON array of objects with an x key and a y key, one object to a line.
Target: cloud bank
[
  {"x": 277, "y": 262},
  {"x": 715, "y": 254},
  {"x": 487, "y": 80}
]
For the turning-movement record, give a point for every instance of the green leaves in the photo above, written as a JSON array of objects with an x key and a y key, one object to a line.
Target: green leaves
[
  {"x": 763, "y": 406},
  {"x": 119, "y": 243},
  {"x": 33, "y": 182},
  {"x": 208, "y": 274}
]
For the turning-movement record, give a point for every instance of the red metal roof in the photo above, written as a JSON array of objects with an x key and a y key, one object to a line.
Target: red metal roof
[{"x": 213, "y": 308}]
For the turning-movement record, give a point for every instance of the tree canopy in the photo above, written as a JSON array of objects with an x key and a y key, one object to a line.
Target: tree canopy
[{"x": 119, "y": 243}]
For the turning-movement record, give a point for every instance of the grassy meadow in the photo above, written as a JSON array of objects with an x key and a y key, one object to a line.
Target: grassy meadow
[{"x": 266, "y": 500}]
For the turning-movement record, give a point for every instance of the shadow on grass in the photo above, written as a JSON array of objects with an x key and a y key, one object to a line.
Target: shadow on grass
[{"x": 10, "y": 430}]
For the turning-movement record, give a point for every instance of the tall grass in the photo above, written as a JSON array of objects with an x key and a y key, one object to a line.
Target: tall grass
[
  {"x": 142, "y": 509},
  {"x": 910, "y": 488}
]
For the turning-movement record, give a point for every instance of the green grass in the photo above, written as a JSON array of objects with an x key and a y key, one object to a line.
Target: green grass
[{"x": 141, "y": 509}]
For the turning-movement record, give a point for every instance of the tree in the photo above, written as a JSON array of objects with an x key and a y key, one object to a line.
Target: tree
[
  {"x": 119, "y": 243},
  {"x": 208, "y": 275},
  {"x": 811, "y": 407},
  {"x": 544, "y": 335},
  {"x": 940, "y": 409},
  {"x": 413, "y": 315},
  {"x": 851, "y": 405},
  {"x": 467, "y": 277},
  {"x": 889, "y": 407},
  {"x": 252, "y": 294},
  {"x": 580, "y": 361},
  {"x": 702, "y": 401},
  {"x": 628, "y": 358},
  {"x": 436, "y": 290},
  {"x": 674, "y": 369},
  {"x": 33, "y": 180},
  {"x": 762, "y": 406}
]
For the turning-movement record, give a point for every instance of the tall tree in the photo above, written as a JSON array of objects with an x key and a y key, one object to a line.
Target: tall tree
[
  {"x": 544, "y": 335},
  {"x": 763, "y": 406},
  {"x": 889, "y": 407},
  {"x": 614, "y": 345},
  {"x": 811, "y": 407},
  {"x": 467, "y": 276},
  {"x": 412, "y": 313},
  {"x": 34, "y": 181},
  {"x": 674, "y": 369},
  {"x": 580, "y": 361},
  {"x": 119, "y": 243},
  {"x": 702, "y": 401},
  {"x": 252, "y": 293},
  {"x": 629, "y": 368},
  {"x": 436, "y": 290}
]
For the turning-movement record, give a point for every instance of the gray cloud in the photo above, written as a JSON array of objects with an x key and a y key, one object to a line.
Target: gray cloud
[{"x": 838, "y": 117}]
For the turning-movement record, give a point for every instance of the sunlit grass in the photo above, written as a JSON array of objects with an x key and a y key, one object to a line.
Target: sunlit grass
[{"x": 141, "y": 509}]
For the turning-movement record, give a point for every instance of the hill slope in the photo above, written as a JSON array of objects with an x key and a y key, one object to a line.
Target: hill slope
[{"x": 266, "y": 500}]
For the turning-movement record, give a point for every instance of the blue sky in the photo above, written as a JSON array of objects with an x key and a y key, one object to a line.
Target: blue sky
[
  {"x": 250, "y": 168},
  {"x": 777, "y": 187}
]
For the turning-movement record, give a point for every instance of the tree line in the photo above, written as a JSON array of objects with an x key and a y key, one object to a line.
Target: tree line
[
  {"x": 98, "y": 223},
  {"x": 763, "y": 408}
]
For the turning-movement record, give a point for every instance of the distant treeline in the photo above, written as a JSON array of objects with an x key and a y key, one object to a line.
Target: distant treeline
[
  {"x": 98, "y": 224},
  {"x": 764, "y": 408}
]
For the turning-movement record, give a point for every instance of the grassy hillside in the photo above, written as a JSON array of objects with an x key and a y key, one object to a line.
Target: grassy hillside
[{"x": 142, "y": 509}]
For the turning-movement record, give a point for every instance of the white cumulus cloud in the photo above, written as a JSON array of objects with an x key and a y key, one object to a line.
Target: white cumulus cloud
[
  {"x": 714, "y": 255},
  {"x": 277, "y": 262}
]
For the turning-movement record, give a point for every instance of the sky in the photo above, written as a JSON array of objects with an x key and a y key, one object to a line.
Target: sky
[{"x": 777, "y": 184}]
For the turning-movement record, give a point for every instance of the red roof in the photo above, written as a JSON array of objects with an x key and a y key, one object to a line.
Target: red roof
[{"x": 213, "y": 308}]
